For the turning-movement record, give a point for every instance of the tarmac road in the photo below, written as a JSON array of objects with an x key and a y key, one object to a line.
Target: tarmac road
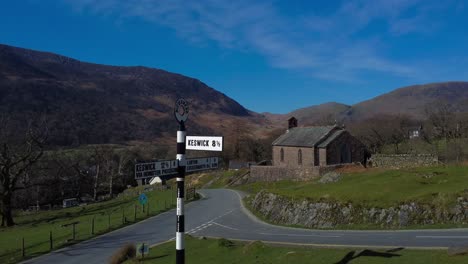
[{"x": 220, "y": 213}]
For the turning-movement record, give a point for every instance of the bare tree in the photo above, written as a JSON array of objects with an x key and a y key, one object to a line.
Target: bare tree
[
  {"x": 441, "y": 117},
  {"x": 383, "y": 130},
  {"x": 17, "y": 156},
  {"x": 99, "y": 159}
]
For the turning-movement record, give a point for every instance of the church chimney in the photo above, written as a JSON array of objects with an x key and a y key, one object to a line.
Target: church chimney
[{"x": 292, "y": 122}]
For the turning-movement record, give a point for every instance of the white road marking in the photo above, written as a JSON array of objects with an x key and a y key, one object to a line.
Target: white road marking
[
  {"x": 228, "y": 227},
  {"x": 210, "y": 223},
  {"x": 443, "y": 237},
  {"x": 297, "y": 235}
]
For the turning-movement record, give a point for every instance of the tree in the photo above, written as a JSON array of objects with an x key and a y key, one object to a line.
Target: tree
[
  {"x": 383, "y": 130},
  {"x": 115, "y": 168},
  {"x": 18, "y": 153},
  {"x": 101, "y": 159}
]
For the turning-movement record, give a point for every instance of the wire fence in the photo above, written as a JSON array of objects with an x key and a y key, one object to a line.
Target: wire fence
[{"x": 60, "y": 233}]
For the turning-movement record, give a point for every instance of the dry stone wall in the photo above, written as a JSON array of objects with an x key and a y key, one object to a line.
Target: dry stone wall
[
  {"x": 403, "y": 160},
  {"x": 274, "y": 173},
  {"x": 278, "y": 173},
  {"x": 282, "y": 210}
]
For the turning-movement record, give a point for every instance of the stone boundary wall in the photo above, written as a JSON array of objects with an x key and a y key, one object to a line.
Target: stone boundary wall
[
  {"x": 403, "y": 160},
  {"x": 276, "y": 173},
  {"x": 286, "y": 211},
  {"x": 280, "y": 173}
]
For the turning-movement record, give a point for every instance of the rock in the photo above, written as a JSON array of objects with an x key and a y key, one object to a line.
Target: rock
[
  {"x": 403, "y": 218},
  {"x": 313, "y": 214},
  {"x": 330, "y": 177},
  {"x": 457, "y": 251}
]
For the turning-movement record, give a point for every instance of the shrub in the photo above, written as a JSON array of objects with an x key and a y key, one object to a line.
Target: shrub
[
  {"x": 225, "y": 243},
  {"x": 124, "y": 253}
]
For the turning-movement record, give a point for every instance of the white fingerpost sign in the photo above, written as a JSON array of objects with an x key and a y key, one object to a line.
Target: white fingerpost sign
[
  {"x": 201, "y": 164},
  {"x": 204, "y": 143}
]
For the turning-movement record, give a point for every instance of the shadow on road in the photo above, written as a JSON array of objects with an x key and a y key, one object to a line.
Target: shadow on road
[
  {"x": 155, "y": 257},
  {"x": 369, "y": 253}
]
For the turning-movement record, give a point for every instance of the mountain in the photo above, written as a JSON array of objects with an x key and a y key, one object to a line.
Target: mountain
[
  {"x": 88, "y": 103},
  {"x": 412, "y": 101}
]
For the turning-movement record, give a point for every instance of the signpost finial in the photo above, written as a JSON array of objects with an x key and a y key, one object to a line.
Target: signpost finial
[{"x": 181, "y": 110}]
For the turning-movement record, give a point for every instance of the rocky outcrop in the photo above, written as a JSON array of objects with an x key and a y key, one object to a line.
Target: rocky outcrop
[{"x": 282, "y": 210}]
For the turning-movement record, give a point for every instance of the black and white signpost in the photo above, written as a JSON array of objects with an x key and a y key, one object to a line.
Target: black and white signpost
[
  {"x": 181, "y": 114},
  {"x": 167, "y": 169}
]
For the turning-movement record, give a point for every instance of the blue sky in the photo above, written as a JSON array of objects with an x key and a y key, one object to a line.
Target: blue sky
[{"x": 269, "y": 55}]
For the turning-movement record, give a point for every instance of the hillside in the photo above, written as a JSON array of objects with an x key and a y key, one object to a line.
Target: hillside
[
  {"x": 412, "y": 101},
  {"x": 89, "y": 103}
]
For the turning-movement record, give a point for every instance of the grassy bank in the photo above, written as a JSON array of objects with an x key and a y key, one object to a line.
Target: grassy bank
[
  {"x": 379, "y": 188},
  {"x": 214, "y": 179},
  {"x": 225, "y": 251},
  {"x": 36, "y": 228}
]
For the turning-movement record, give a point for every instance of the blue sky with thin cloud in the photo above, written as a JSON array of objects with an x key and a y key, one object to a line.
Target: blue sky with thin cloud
[{"x": 271, "y": 56}]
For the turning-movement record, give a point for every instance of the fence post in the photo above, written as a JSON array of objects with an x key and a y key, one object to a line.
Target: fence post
[
  {"x": 92, "y": 226},
  {"x": 74, "y": 231},
  {"x": 51, "y": 241},
  {"x": 23, "y": 253},
  {"x": 134, "y": 213}
]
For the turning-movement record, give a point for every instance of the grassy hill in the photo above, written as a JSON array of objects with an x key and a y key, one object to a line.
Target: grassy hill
[
  {"x": 381, "y": 188},
  {"x": 411, "y": 101},
  {"x": 89, "y": 103}
]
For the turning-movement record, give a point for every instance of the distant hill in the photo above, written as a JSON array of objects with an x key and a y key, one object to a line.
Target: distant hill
[
  {"x": 411, "y": 101},
  {"x": 89, "y": 103},
  {"x": 414, "y": 100}
]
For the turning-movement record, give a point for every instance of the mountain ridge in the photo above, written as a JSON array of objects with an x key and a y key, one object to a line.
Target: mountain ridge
[
  {"x": 412, "y": 101},
  {"x": 91, "y": 103}
]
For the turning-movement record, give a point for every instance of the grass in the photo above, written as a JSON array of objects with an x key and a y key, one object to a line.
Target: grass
[
  {"x": 35, "y": 228},
  {"x": 215, "y": 179},
  {"x": 379, "y": 188},
  {"x": 225, "y": 251}
]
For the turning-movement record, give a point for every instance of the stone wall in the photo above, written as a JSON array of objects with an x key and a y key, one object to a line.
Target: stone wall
[
  {"x": 281, "y": 210},
  {"x": 275, "y": 173},
  {"x": 403, "y": 160}
]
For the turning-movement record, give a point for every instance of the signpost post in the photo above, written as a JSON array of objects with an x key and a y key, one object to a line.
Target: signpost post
[
  {"x": 179, "y": 167},
  {"x": 181, "y": 113}
]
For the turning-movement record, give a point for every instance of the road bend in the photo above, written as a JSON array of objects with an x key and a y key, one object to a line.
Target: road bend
[{"x": 220, "y": 213}]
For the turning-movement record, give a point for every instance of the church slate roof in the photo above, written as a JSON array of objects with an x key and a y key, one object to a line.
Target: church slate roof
[
  {"x": 303, "y": 136},
  {"x": 329, "y": 139}
]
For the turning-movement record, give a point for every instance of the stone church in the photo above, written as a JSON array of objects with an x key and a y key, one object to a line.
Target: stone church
[{"x": 316, "y": 146}]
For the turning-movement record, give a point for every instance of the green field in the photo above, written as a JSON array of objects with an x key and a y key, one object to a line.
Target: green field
[
  {"x": 225, "y": 251},
  {"x": 379, "y": 188},
  {"x": 35, "y": 228},
  {"x": 215, "y": 179}
]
